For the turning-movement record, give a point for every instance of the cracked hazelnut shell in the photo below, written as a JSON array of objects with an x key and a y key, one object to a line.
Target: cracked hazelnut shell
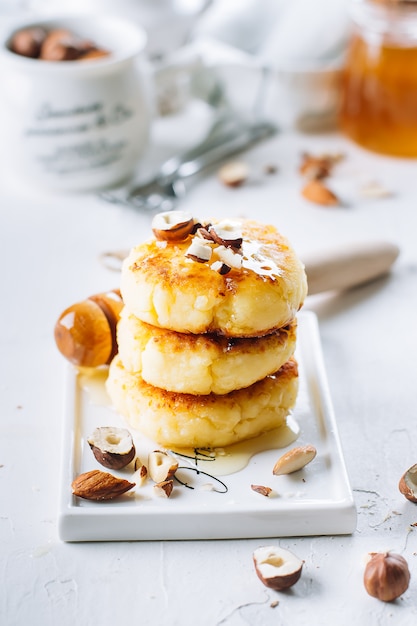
[
  {"x": 276, "y": 567},
  {"x": 172, "y": 225},
  {"x": 112, "y": 447},
  {"x": 408, "y": 484}
]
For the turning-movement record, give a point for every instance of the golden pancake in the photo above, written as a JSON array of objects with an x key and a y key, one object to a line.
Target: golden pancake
[
  {"x": 167, "y": 284},
  {"x": 200, "y": 364},
  {"x": 184, "y": 420}
]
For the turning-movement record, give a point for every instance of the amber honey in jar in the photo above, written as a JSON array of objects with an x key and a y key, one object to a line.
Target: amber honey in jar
[{"x": 379, "y": 99}]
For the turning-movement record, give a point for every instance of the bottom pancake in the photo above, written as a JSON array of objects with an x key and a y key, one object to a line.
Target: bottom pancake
[{"x": 184, "y": 420}]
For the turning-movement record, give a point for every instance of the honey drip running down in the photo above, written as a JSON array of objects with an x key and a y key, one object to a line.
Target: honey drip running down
[{"x": 379, "y": 102}]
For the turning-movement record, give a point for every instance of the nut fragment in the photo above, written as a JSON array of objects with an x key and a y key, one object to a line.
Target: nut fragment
[
  {"x": 386, "y": 576},
  {"x": 164, "y": 488},
  {"x": 408, "y": 484},
  {"x": 277, "y": 568},
  {"x": 98, "y": 485},
  {"x": 227, "y": 233},
  {"x": 140, "y": 474},
  {"x": 375, "y": 189},
  {"x": 228, "y": 257},
  {"x": 294, "y": 460},
  {"x": 172, "y": 225},
  {"x": 318, "y": 167},
  {"x": 315, "y": 191},
  {"x": 112, "y": 447},
  {"x": 199, "y": 251},
  {"x": 264, "y": 491},
  {"x": 161, "y": 466},
  {"x": 233, "y": 174},
  {"x": 220, "y": 267}
]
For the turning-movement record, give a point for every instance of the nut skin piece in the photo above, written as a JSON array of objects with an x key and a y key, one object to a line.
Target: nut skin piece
[
  {"x": 386, "y": 576},
  {"x": 408, "y": 484},
  {"x": 294, "y": 460},
  {"x": 112, "y": 447},
  {"x": 28, "y": 42},
  {"x": 98, "y": 485},
  {"x": 276, "y": 567},
  {"x": 85, "y": 333}
]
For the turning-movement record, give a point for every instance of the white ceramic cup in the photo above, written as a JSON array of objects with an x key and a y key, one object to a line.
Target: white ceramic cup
[{"x": 79, "y": 125}]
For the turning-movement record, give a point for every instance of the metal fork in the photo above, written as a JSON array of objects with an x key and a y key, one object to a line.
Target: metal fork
[{"x": 228, "y": 135}]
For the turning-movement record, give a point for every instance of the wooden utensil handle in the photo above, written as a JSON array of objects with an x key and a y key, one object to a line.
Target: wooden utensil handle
[{"x": 349, "y": 265}]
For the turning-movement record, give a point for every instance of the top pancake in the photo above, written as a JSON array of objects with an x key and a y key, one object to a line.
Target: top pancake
[{"x": 162, "y": 286}]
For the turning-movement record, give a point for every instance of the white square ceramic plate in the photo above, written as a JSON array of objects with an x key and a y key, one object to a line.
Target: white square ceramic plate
[{"x": 217, "y": 502}]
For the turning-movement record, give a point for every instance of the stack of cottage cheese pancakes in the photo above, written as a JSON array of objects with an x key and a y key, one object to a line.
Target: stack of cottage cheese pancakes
[{"x": 208, "y": 332}]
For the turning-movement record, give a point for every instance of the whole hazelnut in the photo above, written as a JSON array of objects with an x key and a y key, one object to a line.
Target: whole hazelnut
[
  {"x": 386, "y": 576},
  {"x": 28, "y": 42}
]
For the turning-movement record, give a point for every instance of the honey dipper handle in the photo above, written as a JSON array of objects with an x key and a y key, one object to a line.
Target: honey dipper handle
[{"x": 349, "y": 265}]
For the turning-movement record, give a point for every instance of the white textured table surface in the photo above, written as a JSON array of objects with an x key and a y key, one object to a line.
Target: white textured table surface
[{"x": 50, "y": 247}]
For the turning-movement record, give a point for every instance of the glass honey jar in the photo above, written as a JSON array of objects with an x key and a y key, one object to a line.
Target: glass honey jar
[{"x": 379, "y": 93}]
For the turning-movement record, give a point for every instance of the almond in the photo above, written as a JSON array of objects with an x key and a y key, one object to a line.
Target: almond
[
  {"x": 315, "y": 191},
  {"x": 294, "y": 460},
  {"x": 97, "y": 485}
]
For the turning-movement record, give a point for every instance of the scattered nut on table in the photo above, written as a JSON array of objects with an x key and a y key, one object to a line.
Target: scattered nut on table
[
  {"x": 318, "y": 166},
  {"x": 276, "y": 567},
  {"x": 386, "y": 576},
  {"x": 294, "y": 460},
  {"x": 316, "y": 191},
  {"x": 233, "y": 174}
]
